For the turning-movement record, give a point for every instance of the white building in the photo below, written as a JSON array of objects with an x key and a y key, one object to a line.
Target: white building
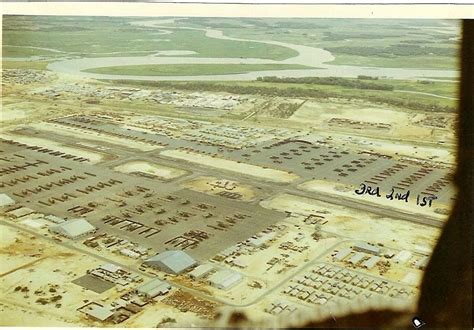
[
  {"x": 225, "y": 279},
  {"x": 402, "y": 256},
  {"x": 174, "y": 262},
  {"x": 341, "y": 255},
  {"x": 154, "y": 288},
  {"x": 201, "y": 271},
  {"x": 367, "y": 248},
  {"x": 73, "y": 228}
]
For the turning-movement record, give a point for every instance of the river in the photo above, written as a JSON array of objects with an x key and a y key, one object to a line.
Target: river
[{"x": 309, "y": 56}]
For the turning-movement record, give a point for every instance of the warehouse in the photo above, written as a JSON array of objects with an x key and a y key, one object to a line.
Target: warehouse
[
  {"x": 98, "y": 312},
  {"x": 370, "y": 263},
  {"x": 341, "y": 255},
  {"x": 356, "y": 258},
  {"x": 174, "y": 262},
  {"x": 201, "y": 271},
  {"x": 6, "y": 200},
  {"x": 367, "y": 248},
  {"x": 422, "y": 263},
  {"x": 154, "y": 288},
  {"x": 225, "y": 279},
  {"x": 402, "y": 256},
  {"x": 73, "y": 228}
]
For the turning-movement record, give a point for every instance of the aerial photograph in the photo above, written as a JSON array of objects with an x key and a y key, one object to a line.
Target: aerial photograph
[{"x": 219, "y": 171}]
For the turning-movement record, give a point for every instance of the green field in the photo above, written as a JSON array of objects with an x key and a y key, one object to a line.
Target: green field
[
  {"x": 191, "y": 69},
  {"x": 37, "y": 65},
  {"x": 107, "y": 36},
  {"x": 429, "y": 44}
]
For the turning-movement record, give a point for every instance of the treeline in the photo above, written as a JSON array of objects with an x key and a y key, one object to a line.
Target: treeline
[
  {"x": 394, "y": 50},
  {"x": 333, "y": 36},
  {"x": 333, "y": 81},
  {"x": 292, "y": 92}
]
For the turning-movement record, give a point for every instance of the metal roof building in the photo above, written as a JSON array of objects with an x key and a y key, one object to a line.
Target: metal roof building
[
  {"x": 98, "y": 312},
  {"x": 174, "y": 262},
  {"x": 356, "y": 258},
  {"x": 367, "y": 248},
  {"x": 201, "y": 271},
  {"x": 225, "y": 279},
  {"x": 154, "y": 288},
  {"x": 402, "y": 256},
  {"x": 73, "y": 228},
  {"x": 6, "y": 200},
  {"x": 370, "y": 263},
  {"x": 341, "y": 255}
]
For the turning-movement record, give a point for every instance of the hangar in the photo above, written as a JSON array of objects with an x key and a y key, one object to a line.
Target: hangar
[
  {"x": 73, "y": 228},
  {"x": 174, "y": 261}
]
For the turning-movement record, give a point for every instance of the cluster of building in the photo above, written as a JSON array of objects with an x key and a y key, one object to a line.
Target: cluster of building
[
  {"x": 328, "y": 282},
  {"x": 176, "y": 98},
  {"x": 177, "y": 262},
  {"x": 361, "y": 254},
  {"x": 199, "y": 99}
]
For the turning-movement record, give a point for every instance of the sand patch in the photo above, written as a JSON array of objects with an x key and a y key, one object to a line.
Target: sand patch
[
  {"x": 154, "y": 169},
  {"x": 221, "y": 187},
  {"x": 358, "y": 224},
  {"x": 230, "y": 165}
]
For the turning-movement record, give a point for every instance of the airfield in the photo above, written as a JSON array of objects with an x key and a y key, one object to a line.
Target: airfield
[{"x": 253, "y": 194}]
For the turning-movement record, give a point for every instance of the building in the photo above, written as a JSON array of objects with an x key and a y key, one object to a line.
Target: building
[
  {"x": 201, "y": 271},
  {"x": 174, "y": 262},
  {"x": 367, "y": 248},
  {"x": 371, "y": 262},
  {"x": 402, "y": 256},
  {"x": 6, "y": 200},
  {"x": 98, "y": 312},
  {"x": 54, "y": 219},
  {"x": 341, "y": 255},
  {"x": 422, "y": 263},
  {"x": 73, "y": 228},
  {"x": 153, "y": 288},
  {"x": 356, "y": 258},
  {"x": 225, "y": 279}
]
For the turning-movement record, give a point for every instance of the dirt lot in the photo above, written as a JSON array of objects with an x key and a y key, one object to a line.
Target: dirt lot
[
  {"x": 161, "y": 171},
  {"x": 214, "y": 186}
]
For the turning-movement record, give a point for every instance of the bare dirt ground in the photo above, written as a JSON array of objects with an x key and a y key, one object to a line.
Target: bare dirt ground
[
  {"x": 34, "y": 269},
  {"x": 361, "y": 225},
  {"x": 154, "y": 169},
  {"x": 242, "y": 168},
  {"x": 213, "y": 186}
]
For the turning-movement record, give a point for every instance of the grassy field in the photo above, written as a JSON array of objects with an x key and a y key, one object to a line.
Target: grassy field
[
  {"x": 417, "y": 62},
  {"x": 190, "y": 69},
  {"x": 37, "y": 65},
  {"x": 436, "y": 35},
  {"x": 97, "y": 37}
]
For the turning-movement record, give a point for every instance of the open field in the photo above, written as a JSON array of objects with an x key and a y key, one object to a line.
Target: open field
[
  {"x": 36, "y": 65},
  {"x": 190, "y": 69},
  {"x": 105, "y": 36},
  {"x": 390, "y": 43}
]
